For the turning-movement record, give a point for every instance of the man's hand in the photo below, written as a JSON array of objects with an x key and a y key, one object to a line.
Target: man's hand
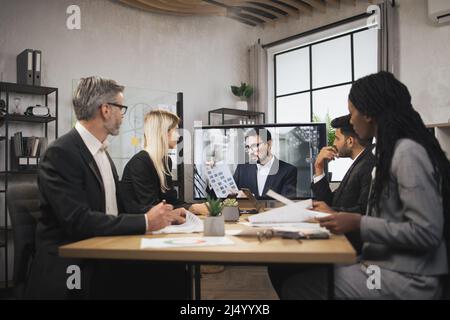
[
  {"x": 163, "y": 215},
  {"x": 340, "y": 223},
  {"x": 178, "y": 216},
  {"x": 326, "y": 154},
  {"x": 321, "y": 206}
]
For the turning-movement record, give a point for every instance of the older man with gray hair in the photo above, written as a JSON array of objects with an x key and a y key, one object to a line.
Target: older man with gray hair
[{"x": 78, "y": 186}]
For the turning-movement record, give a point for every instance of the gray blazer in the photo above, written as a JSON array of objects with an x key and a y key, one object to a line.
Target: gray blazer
[{"x": 406, "y": 235}]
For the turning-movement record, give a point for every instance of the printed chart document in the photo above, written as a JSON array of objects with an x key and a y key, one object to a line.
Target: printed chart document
[
  {"x": 160, "y": 243},
  {"x": 221, "y": 180},
  {"x": 193, "y": 224}
]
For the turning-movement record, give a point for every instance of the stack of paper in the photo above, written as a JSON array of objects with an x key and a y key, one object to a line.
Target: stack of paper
[
  {"x": 292, "y": 213},
  {"x": 192, "y": 224}
]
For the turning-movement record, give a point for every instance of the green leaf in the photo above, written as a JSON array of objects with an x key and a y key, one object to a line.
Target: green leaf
[
  {"x": 214, "y": 206},
  {"x": 248, "y": 91},
  {"x": 235, "y": 91}
]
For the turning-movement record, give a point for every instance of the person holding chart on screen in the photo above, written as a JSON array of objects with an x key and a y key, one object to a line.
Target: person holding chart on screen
[{"x": 264, "y": 171}]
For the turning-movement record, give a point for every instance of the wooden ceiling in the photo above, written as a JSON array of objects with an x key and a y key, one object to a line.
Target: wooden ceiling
[{"x": 251, "y": 12}]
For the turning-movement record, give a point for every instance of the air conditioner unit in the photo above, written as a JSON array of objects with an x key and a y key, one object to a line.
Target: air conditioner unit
[{"x": 439, "y": 11}]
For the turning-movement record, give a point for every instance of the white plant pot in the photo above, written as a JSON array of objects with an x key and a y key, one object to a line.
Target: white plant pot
[
  {"x": 242, "y": 105},
  {"x": 214, "y": 226},
  {"x": 230, "y": 213}
]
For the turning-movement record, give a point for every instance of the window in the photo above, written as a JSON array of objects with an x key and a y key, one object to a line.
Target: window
[{"x": 311, "y": 82}]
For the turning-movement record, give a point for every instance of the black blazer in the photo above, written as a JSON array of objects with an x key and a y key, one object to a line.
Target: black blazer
[
  {"x": 353, "y": 192},
  {"x": 282, "y": 179},
  {"x": 140, "y": 188},
  {"x": 73, "y": 208}
]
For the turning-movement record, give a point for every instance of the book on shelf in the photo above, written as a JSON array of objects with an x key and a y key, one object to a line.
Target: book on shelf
[{"x": 18, "y": 144}]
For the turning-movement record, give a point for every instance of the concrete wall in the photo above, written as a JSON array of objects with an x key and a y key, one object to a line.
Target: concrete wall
[
  {"x": 424, "y": 51},
  {"x": 199, "y": 56}
]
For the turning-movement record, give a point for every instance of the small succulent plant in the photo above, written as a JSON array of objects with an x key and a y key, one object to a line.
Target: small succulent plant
[
  {"x": 214, "y": 206},
  {"x": 230, "y": 203}
]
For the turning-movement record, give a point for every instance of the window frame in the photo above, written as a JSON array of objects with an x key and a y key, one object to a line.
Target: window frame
[
  {"x": 345, "y": 28},
  {"x": 311, "y": 89}
]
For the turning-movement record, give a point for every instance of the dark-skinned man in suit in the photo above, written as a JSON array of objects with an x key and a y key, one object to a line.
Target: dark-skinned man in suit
[
  {"x": 352, "y": 193},
  {"x": 264, "y": 171}
]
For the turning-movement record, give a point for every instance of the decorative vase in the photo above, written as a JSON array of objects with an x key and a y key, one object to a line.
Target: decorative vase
[
  {"x": 242, "y": 105},
  {"x": 214, "y": 226},
  {"x": 230, "y": 213}
]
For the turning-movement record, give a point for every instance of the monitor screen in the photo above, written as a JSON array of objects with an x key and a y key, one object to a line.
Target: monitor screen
[{"x": 278, "y": 157}]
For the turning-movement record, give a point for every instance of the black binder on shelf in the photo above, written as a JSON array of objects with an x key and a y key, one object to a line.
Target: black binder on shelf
[
  {"x": 37, "y": 61},
  {"x": 25, "y": 67},
  {"x": 26, "y": 152}
]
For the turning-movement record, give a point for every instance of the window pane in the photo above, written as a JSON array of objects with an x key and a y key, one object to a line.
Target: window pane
[
  {"x": 292, "y": 71},
  {"x": 331, "y": 103},
  {"x": 327, "y": 105},
  {"x": 331, "y": 62},
  {"x": 366, "y": 52},
  {"x": 295, "y": 108},
  {"x": 339, "y": 168}
]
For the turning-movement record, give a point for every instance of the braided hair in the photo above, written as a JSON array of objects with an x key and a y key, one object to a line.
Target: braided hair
[{"x": 384, "y": 98}]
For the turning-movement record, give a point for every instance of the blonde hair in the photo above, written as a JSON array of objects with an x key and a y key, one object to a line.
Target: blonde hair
[{"x": 157, "y": 124}]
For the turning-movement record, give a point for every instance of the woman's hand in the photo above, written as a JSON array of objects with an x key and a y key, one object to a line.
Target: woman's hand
[
  {"x": 199, "y": 209},
  {"x": 340, "y": 223},
  {"x": 322, "y": 207}
]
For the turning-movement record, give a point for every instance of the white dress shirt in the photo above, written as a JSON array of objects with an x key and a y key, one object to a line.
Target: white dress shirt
[
  {"x": 262, "y": 174},
  {"x": 320, "y": 177},
  {"x": 97, "y": 149}
]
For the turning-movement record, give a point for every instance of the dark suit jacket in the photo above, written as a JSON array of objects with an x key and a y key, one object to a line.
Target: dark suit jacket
[
  {"x": 282, "y": 179},
  {"x": 73, "y": 208},
  {"x": 140, "y": 188},
  {"x": 353, "y": 192}
]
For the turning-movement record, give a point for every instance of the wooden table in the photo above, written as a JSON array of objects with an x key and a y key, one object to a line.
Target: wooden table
[{"x": 245, "y": 251}]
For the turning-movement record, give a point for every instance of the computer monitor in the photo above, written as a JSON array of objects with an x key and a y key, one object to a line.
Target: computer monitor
[{"x": 258, "y": 157}]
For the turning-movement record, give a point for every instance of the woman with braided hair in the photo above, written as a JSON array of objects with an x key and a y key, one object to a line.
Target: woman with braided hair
[{"x": 406, "y": 226}]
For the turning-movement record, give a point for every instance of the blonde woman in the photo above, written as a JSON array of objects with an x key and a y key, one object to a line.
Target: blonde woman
[{"x": 146, "y": 178}]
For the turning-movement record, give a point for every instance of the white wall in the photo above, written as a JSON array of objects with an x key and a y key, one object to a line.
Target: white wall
[
  {"x": 424, "y": 53},
  {"x": 200, "y": 56}
]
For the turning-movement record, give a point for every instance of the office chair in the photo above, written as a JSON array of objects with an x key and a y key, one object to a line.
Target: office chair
[{"x": 23, "y": 206}]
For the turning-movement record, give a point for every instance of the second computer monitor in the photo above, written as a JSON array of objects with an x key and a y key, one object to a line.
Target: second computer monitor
[{"x": 257, "y": 157}]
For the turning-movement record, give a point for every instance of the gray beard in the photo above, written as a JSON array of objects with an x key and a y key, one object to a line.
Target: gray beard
[{"x": 112, "y": 129}]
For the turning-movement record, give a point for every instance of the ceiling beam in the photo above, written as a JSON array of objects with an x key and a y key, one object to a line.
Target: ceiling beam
[{"x": 317, "y": 4}]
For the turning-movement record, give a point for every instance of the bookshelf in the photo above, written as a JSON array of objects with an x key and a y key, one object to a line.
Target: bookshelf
[
  {"x": 9, "y": 170},
  {"x": 244, "y": 115}
]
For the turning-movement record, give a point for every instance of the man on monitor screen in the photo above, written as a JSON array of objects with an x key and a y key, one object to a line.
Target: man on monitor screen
[{"x": 264, "y": 171}]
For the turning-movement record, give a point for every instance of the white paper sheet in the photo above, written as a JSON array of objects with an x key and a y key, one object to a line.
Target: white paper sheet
[
  {"x": 304, "y": 227},
  {"x": 279, "y": 197},
  {"x": 159, "y": 243},
  {"x": 193, "y": 224}
]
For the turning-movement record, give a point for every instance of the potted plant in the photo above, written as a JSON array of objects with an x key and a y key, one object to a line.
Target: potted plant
[
  {"x": 243, "y": 92},
  {"x": 230, "y": 210},
  {"x": 214, "y": 224},
  {"x": 331, "y": 134}
]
